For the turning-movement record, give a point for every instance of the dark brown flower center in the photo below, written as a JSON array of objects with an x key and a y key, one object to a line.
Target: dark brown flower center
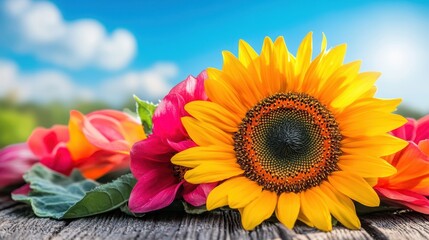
[{"x": 288, "y": 142}]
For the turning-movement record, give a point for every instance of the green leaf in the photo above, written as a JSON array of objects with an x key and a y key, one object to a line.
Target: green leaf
[
  {"x": 125, "y": 209},
  {"x": 103, "y": 198},
  {"x": 57, "y": 196},
  {"x": 192, "y": 209},
  {"x": 145, "y": 111}
]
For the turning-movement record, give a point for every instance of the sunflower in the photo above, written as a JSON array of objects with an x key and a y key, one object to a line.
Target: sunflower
[{"x": 289, "y": 135}]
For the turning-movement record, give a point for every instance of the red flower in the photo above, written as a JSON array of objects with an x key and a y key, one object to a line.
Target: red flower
[
  {"x": 160, "y": 181},
  {"x": 410, "y": 185}
]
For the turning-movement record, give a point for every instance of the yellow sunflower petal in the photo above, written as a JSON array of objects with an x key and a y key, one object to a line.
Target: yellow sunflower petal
[
  {"x": 243, "y": 193},
  {"x": 369, "y": 123},
  {"x": 330, "y": 62},
  {"x": 371, "y": 181},
  {"x": 240, "y": 79},
  {"x": 269, "y": 74},
  {"x": 363, "y": 83},
  {"x": 341, "y": 207},
  {"x": 250, "y": 59},
  {"x": 282, "y": 63},
  {"x": 258, "y": 210},
  {"x": 218, "y": 197},
  {"x": 212, "y": 172},
  {"x": 354, "y": 187},
  {"x": 324, "y": 43},
  {"x": 315, "y": 209},
  {"x": 246, "y": 54},
  {"x": 336, "y": 82},
  {"x": 304, "y": 219},
  {"x": 375, "y": 104},
  {"x": 303, "y": 56},
  {"x": 222, "y": 93},
  {"x": 212, "y": 135},
  {"x": 288, "y": 207},
  {"x": 193, "y": 157},
  {"x": 377, "y": 146},
  {"x": 366, "y": 166},
  {"x": 214, "y": 114}
]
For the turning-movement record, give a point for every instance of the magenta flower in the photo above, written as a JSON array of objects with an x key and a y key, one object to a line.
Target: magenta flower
[
  {"x": 15, "y": 160},
  {"x": 410, "y": 185},
  {"x": 159, "y": 181}
]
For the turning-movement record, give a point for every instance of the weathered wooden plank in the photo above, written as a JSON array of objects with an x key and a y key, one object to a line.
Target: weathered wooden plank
[
  {"x": 19, "y": 222},
  {"x": 338, "y": 232},
  {"x": 174, "y": 225},
  {"x": 400, "y": 225}
]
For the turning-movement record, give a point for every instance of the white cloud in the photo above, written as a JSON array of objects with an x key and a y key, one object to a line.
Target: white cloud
[
  {"x": 42, "y": 86},
  {"x": 149, "y": 84},
  {"x": 45, "y": 86},
  {"x": 38, "y": 28}
]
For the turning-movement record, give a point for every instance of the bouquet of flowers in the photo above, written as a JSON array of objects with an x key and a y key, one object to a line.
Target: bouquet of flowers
[{"x": 293, "y": 136}]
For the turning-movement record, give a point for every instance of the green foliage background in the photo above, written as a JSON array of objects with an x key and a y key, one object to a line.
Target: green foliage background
[{"x": 17, "y": 121}]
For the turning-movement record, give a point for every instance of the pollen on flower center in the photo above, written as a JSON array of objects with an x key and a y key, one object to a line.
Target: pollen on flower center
[{"x": 288, "y": 142}]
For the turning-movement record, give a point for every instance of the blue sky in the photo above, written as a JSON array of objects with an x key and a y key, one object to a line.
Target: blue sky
[{"x": 62, "y": 50}]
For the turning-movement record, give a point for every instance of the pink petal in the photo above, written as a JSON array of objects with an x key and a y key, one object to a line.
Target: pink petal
[
  {"x": 196, "y": 195},
  {"x": 422, "y": 131},
  {"x": 61, "y": 162},
  {"x": 183, "y": 145},
  {"x": 152, "y": 149},
  {"x": 117, "y": 115},
  {"x": 191, "y": 88},
  {"x": 104, "y": 133},
  {"x": 148, "y": 154},
  {"x": 108, "y": 127},
  {"x": 167, "y": 116},
  {"x": 43, "y": 141},
  {"x": 15, "y": 160},
  {"x": 23, "y": 190},
  {"x": 410, "y": 199},
  {"x": 154, "y": 190},
  {"x": 407, "y": 131},
  {"x": 167, "y": 122}
]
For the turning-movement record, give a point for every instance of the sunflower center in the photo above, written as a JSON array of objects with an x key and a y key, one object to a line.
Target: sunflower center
[{"x": 288, "y": 142}]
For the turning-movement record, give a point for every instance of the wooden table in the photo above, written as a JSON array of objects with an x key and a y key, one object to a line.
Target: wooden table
[{"x": 18, "y": 222}]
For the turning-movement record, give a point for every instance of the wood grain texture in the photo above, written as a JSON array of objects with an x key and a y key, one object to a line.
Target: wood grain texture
[
  {"x": 401, "y": 225},
  {"x": 18, "y": 222}
]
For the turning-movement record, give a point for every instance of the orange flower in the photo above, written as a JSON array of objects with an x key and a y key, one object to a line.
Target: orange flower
[
  {"x": 101, "y": 141},
  {"x": 410, "y": 185}
]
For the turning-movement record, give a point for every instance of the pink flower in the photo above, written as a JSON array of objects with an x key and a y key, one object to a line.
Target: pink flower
[
  {"x": 49, "y": 145},
  {"x": 15, "y": 160},
  {"x": 100, "y": 142},
  {"x": 96, "y": 143},
  {"x": 410, "y": 185},
  {"x": 159, "y": 182}
]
